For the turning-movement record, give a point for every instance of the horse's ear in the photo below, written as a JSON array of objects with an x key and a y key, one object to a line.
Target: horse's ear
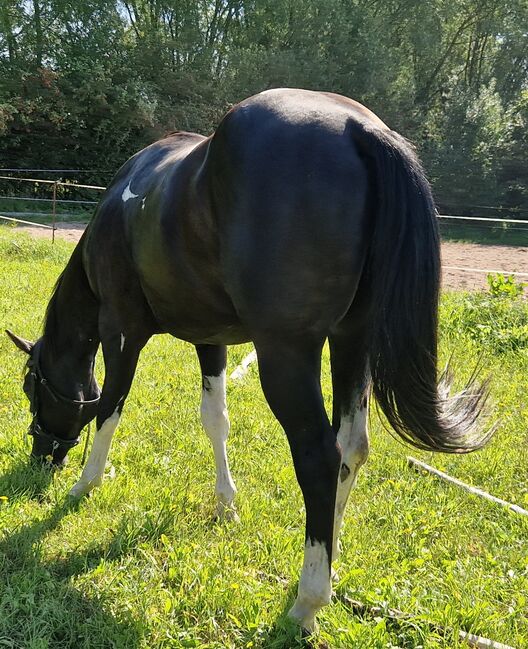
[{"x": 24, "y": 345}]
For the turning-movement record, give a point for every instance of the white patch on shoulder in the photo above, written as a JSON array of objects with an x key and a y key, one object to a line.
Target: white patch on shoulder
[
  {"x": 315, "y": 589},
  {"x": 127, "y": 194},
  {"x": 122, "y": 341}
]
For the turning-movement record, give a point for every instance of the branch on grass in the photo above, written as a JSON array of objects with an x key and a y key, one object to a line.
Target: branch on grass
[
  {"x": 241, "y": 370},
  {"x": 399, "y": 617},
  {"x": 473, "y": 490}
]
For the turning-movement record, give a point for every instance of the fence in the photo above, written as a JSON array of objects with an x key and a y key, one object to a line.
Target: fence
[
  {"x": 54, "y": 200},
  {"x": 511, "y": 224}
]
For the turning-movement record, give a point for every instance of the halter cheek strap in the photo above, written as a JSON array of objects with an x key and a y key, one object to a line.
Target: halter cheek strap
[{"x": 36, "y": 429}]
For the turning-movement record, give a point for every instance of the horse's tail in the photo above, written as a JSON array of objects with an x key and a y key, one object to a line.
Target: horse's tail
[{"x": 403, "y": 278}]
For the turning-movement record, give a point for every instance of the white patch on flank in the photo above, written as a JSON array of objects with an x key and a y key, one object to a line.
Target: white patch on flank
[
  {"x": 122, "y": 341},
  {"x": 127, "y": 194},
  {"x": 241, "y": 370},
  {"x": 353, "y": 439},
  {"x": 92, "y": 475},
  {"x": 315, "y": 589},
  {"x": 215, "y": 421}
]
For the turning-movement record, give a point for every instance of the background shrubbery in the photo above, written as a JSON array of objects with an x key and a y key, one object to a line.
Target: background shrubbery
[
  {"x": 495, "y": 321},
  {"x": 85, "y": 84}
]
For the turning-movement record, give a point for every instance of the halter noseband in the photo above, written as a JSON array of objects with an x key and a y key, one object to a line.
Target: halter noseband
[{"x": 35, "y": 428}]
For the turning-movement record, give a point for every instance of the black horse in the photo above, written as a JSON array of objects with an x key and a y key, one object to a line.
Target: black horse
[{"x": 303, "y": 218}]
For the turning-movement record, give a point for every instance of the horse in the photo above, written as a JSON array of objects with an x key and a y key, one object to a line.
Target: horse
[{"x": 302, "y": 219}]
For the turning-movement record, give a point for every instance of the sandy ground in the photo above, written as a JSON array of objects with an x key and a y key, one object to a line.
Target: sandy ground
[
  {"x": 454, "y": 256},
  {"x": 471, "y": 256}
]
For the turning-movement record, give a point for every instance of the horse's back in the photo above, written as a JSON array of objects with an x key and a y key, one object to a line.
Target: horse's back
[
  {"x": 290, "y": 191},
  {"x": 263, "y": 226}
]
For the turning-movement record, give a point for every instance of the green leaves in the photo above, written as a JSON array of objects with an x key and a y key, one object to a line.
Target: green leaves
[{"x": 495, "y": 322}]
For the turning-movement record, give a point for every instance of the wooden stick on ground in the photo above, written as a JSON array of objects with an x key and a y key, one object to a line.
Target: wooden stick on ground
[
  {"x": 241, "y": 370},
  {"x": 473, "y": 490},
  {"x": 475, "y": 641}
]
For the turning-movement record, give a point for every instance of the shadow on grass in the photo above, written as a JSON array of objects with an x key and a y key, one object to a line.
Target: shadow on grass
[
  {"x": 39, "y": 606},
  {"x": 284, "y": 634},
  {"x": 26, "y": 479}
]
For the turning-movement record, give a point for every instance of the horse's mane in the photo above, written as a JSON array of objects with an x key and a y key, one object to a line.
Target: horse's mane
[
  {"x": 68, "y": 279},
  {"x": 51, "y": 317}
]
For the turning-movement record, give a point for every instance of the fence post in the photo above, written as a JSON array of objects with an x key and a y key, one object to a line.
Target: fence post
[{"x": 54, "y": 213}]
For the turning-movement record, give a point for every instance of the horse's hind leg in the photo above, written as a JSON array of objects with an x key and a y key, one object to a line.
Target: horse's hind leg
[
  {"x": 351, "y": 385},
  {"x": 290, "y": 374},
  {"x": 121, "y": 348},
  {"x": 216, "y": 423}
]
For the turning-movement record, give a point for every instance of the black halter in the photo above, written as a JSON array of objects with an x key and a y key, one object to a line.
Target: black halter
[{"x": 36, "y": 429}]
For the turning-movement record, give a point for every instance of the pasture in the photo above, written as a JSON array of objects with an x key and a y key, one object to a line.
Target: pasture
[{"x": 140, "y": 563}]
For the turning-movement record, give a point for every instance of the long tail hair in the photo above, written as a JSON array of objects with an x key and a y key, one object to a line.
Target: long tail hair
[{"x": 403, "y": 276}]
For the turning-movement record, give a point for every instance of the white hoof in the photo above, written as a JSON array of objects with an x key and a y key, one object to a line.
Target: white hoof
[
  {"x": 303, "y": 615},
  {"x": 83, "y": 487},
  {"x": 226, "y": 513}
]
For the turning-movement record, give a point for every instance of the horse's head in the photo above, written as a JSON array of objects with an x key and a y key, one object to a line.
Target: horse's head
[{"x": 57, "y": 420}]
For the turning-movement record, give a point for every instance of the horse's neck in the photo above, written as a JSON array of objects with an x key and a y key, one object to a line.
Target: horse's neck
[{"x": 70, "y": 331}]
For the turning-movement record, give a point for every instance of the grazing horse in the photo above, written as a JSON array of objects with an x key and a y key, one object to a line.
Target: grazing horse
[{"x": 302, "y": 218}]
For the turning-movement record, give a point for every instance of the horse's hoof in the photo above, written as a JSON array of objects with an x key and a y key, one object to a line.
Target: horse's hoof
[
  {"x": 304, "y": 618},
  {"x": 81, "y": 489},
  {"x": 77, "y": 494},
  {"x": 225, "y": 514}
]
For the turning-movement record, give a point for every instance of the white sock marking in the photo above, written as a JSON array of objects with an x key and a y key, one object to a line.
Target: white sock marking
[
  {"x": 127, "y": 194},
  {"x": 353, "y": 439},
  {"x": 143, "y": 202},
  {"x": 215, "y": 421},
  {"x": 122, "y": 341},
  {"x": 92, "y": 475},
  {"x": 241, "y": 370},
  {"x": 315, "y": 589}
]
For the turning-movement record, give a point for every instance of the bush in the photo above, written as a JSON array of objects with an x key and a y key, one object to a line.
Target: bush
[{"x": 495, "y": 321}]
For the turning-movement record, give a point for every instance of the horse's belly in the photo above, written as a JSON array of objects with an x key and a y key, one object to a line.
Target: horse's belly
[{"x": 200, "y": 316}]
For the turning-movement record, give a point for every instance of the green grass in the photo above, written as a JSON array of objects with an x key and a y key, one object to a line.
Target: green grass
[{"x": 139, "y": 564}]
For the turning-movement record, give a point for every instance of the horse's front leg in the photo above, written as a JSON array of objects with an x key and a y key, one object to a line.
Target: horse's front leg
[
  {"x": 121, "y": 352},
  {"x": 290, "y": 379}
]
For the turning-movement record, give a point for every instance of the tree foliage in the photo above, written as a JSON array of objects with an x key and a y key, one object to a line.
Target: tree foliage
[{"x": 86, "y": 83}]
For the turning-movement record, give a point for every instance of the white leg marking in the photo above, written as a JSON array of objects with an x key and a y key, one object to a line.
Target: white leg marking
[
  {"x": 92, "y": 475},
  {"x": 315, "y": 590},
  {"x": 143, "y": 202},
  {"x": 215, "y": 421},
  {"x": 127, "y": 194},
  {"x": 122, "y": 341},
  {"x": 241, "y": 370},
  {"x": 353, "y": 439}
]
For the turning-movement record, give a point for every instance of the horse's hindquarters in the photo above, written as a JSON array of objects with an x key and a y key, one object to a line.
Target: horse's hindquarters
[{"x": 291, "y": 203}]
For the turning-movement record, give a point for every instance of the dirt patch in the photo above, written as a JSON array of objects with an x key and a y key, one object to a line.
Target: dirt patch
[
  {"x": 470, "y": 256},
  {"x": 70, "y": 231}
]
